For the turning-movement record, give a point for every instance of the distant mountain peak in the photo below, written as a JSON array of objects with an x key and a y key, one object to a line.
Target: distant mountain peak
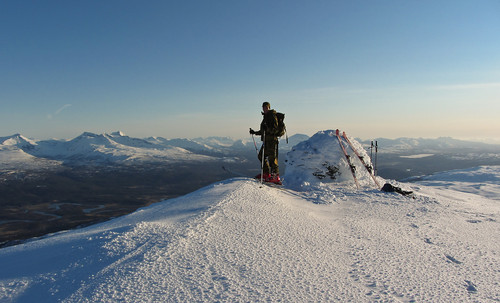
[
  {"x": 118, "y": 134},
  {"x": 88, "y": 134},
  {"x": 18, "y": 140}
]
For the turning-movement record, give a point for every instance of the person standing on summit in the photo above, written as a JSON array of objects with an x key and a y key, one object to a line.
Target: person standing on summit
[{"x": 268, "y": 155}]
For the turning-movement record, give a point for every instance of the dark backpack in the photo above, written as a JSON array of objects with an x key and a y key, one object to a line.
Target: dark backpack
[
  {"x": 391, "y": 189},
  {"x": 281, "y": 130}
]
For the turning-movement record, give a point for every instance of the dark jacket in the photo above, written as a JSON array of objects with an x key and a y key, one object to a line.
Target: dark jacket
[{"x": 269, "y": 125}]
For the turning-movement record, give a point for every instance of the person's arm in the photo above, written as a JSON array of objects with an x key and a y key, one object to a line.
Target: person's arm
[{"x": 258, "y": 133}]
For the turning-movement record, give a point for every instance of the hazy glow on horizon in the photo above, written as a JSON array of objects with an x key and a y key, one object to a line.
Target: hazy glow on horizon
[{"x": 199, "y": 68}]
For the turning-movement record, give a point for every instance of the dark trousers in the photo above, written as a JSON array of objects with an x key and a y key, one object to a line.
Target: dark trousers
[{"x": 270, "y": 148}]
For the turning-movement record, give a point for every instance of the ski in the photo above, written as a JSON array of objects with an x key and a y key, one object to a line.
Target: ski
[
  {"x": 368, "y": 167},
  {"x": 348, "y": 158}
]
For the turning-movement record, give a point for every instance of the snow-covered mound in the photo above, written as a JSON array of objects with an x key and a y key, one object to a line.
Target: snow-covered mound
[
  {"x": 236, "y": 241},
  {"x": 320, "y": 161}
]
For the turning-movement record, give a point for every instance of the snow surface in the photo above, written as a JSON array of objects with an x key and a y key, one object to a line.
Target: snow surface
[
  {"x": 483, "y": 180},
  {"x": 239, "y": 241}
]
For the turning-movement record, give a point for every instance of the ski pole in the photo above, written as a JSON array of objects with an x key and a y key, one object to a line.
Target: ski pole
[
  {"x": 255, "y": 144},
  {"x": 262, "y": 159},
  {"x": 371, "y": 152}
]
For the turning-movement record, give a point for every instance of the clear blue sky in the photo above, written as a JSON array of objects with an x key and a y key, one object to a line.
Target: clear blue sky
[{"x": 200, "y": 68}]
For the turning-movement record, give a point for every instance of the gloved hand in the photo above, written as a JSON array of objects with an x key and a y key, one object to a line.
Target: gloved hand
[{"x": 252, "y": 132}]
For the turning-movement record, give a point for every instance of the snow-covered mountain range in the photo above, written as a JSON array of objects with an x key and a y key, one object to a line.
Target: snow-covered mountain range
[
  {"x": 19, "y": 152},
  {"x": 103, "y": 148},
  {"x": 318, "y": 239},
  {"x": 425, "y": 145},
  {"x": 119, "y": 148},
  {"x": 397, "y": 158}
]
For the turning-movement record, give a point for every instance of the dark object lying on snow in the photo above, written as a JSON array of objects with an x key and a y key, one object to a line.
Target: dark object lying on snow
[{"x": 391, "y": 189}]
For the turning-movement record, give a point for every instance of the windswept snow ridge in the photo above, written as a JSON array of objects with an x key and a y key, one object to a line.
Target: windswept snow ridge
[{"x": 237, "y": 242}]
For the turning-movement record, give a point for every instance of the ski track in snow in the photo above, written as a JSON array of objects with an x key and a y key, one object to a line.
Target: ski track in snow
[{"x": 262, "y": 244}]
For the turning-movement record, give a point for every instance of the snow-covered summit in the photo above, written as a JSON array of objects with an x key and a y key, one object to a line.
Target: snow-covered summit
[
  {"x": 236, "y": 241},
  {"x": 18, "y": 141},
  {"x": 118, "y": 134}
]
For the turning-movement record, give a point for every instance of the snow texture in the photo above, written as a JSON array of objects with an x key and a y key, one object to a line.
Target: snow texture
[{"x": 240, "y": 241}]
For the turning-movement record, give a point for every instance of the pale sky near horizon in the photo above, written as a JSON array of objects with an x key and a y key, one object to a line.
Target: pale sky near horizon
[{"x": 394, "y": 68}]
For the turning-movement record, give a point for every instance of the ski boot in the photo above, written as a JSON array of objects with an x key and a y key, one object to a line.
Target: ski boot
[
  {"x": 263, "y": 177},
  {"x": 274, "y": 178}
]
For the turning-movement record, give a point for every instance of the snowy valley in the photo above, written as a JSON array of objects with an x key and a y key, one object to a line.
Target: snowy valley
[{"x": 316, "y": 239}]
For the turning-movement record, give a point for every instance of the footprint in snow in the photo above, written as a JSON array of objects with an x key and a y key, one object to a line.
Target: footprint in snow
[
  {"x": 450, "y": 258},
  {"x": 471, "y": 288}
]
